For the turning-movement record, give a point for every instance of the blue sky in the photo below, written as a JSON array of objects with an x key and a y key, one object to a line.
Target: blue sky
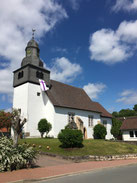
[{"x": 90, "y": 44}]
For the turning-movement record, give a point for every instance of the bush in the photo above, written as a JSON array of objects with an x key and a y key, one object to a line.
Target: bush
[
  {"x": 99, "y": 132},
  {"x": 44, "y": 127},
  {"x": 13, "y": 158},
  {"x": 70, "y": 138}
]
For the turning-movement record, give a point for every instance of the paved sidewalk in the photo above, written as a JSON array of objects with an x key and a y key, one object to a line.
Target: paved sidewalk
[{"x": 59, "y": 170}]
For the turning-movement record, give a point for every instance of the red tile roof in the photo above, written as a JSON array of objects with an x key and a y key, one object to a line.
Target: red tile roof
[
  {"x": 130, "y": 123},
  {"x": 63, "y": 95},
  {"x": 3, "y": 130}
]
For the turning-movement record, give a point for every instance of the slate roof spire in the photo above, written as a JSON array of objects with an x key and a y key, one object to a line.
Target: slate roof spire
[{"x": 32, "y": 53}]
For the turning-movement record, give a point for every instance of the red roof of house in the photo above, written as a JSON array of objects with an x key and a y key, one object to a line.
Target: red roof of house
[
  {"x": 3, "y": 130},
  {"x": 63, "y": 95},
  {"x": 130, "y": 123}
]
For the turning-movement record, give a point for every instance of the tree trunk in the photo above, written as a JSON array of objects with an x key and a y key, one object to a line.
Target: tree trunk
[
  {"x": 15, "y": 139},
  {"x": 42, "y": 135}
]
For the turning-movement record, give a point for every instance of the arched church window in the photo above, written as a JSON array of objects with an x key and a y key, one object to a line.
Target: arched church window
[
  {"x": 39, "y": 75},
  {"x": 20, "y": 74}
]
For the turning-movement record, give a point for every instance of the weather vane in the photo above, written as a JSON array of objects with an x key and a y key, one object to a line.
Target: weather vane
[{"x": 33, "y": 30}]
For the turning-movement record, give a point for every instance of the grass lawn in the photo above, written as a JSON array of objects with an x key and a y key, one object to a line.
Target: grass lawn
[{"x": 91, "y": 147}]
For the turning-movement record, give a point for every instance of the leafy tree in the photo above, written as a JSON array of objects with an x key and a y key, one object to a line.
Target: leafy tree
[
  {"x": 5, "y": 120},
  {"x": 115, "y": 114},
  {"x": 126, "y": 112},
  {"x": 17, "y": 124},
  {"x": 100, "y": 131},
  {"x": 44, "y": 127},
  {"x": 135, "y": 107},
  {"x": 115, "y": 130}
]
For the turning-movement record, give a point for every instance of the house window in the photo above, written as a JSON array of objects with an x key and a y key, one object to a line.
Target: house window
[
  {"x": 135, "y": 133},
  {"x": 71, "y": 117},
  {"x": 20, "y": 74},
  {"x": 90, "y": 121},
  {"x": 131, "y": 133},
  {"x": 105, "y": 123},
  {"x": 39, "y": 75}
]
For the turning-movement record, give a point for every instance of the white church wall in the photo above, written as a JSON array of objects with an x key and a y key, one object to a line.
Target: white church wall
[
  {"x": 108, "y": 127},
  {"x": 34, "y": 107},
  {"x": 61, "y": 119},
  {"x": 20, "y": 100}
]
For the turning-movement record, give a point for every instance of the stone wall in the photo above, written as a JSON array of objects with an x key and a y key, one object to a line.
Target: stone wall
[{"x": 95, "y": 158}]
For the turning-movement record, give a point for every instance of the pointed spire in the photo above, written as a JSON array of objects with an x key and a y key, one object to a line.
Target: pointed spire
[{"x": 33, "y": 31}]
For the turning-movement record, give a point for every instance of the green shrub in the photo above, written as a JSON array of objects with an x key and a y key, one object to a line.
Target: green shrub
[
  {"x": 44, "y": 127},
  {"x": 13, "y": 158},
  {"x": 99, "y": 132},
  {"x": 70, "y": 138}
]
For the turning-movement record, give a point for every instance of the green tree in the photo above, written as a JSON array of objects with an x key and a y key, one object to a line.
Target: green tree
[
  {"x": 135, "y": 107},
  {"x": 115, "y": 130},
  {"x": 126, "y": 112},
  {"x": 44, "y": 127},
  {"x": 115, "y": 114},
  {"x": 99, "y": 131}
]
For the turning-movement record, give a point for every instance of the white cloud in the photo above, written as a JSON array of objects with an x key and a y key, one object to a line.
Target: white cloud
[
  {"x": 94, "y": 89},
  {"x": 75, "y": 4},
  {"x": 63, "y": 70},
  {"x": 126, "y": 5},
  {"x": 110, "y": 47},
  {"x": 17, "y": 18},
  {"x": 58, "y": 49},
  {"x": 105, "y": 47},
  {"x": 127, "y": 32},
  {"x": 128, "y": 97}
]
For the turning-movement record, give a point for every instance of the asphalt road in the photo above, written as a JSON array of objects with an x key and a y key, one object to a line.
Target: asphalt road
[{"x": 125, "y": 174}]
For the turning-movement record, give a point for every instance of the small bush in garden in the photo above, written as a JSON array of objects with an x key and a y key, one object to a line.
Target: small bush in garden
[
  {"x": 13, "y": 158},
  {"x": 44, "y": 127},
  {"x": 71, "y": 138},
  {"x": 99, "y": 132}
]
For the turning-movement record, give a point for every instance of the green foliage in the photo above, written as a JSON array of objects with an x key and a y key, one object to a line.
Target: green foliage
[
  {"x": 44, "y": 127},
  {"x": 135, "y": 107},
  {"x": 71, "y": 138},
  {"x": 115, "y": 130},
  {"x": 115, "y": 114},
  {"x": 99, "y": 132},
  {"x": 13, "y": 158},
  {"x": 125, "y": 112}
]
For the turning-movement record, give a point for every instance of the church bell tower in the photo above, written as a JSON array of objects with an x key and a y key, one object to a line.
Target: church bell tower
[
  {"x": 28, "y": 96},
  {"x": 31, "y": 69}
]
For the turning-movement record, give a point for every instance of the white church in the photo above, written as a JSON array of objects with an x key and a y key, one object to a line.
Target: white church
[{"x": 60, "y": 104}]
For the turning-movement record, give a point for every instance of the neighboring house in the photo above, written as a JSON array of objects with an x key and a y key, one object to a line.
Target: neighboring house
[
  {"x": 4, "y": 131},
  {"x": 60, "y": 104},
  {"x": 129, "y": 129}
]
